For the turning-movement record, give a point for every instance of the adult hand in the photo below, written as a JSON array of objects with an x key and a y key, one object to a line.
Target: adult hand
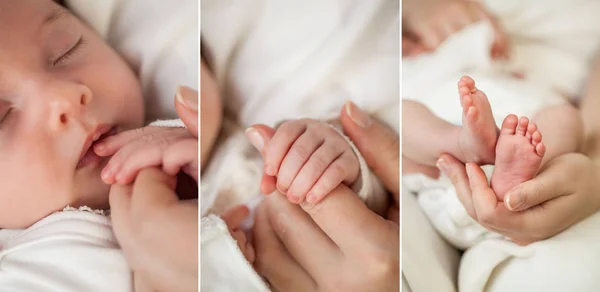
[
  {"x": 329, "y": 256},
  {"x": 148, "y": 216},
  {"x": 430, "y": 22},
  {"x": 562, "y": 194}
]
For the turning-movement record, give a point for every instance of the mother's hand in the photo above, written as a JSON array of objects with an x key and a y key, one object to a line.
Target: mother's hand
[
  {"x": 157, "y": 232},
  {"x": 563, "y": 193},
  {"x": 337, "y": 244}
]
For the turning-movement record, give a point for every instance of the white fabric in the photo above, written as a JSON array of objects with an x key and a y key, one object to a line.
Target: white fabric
[
  {"x": 283, "y": 60},
  {"x": 220, "y": 260},
  {"x": 175, "y": 123},
  {"x": 553, "y": 43},
  {"x": 66, "y": 251},
  {"x": 158, "y": 38}
]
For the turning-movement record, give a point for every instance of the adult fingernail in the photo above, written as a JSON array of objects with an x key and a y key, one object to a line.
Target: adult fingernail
[
  {"x": 187, "y": 97},
  {"x": 357, "y": 115},
  {"x": 514, "y": 200},
  {"x": 442, "y": 165},
  {"x": 255, "y": 138},
  {"x": 469, "y": 170}
]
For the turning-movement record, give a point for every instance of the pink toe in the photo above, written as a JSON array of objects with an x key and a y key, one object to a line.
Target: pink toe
[
  {"x": 522, "y": 127},
  {"x": 536, "y": 137},
  {"x": 530, "y": 130},
  {"x": 472, "y": 114},
  {"x": 467, "y": 102},
  {"x": 540, "y": 149},
  {"x": 509, "y": 124}
]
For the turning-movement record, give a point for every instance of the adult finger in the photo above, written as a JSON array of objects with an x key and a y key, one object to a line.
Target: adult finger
[
  {"x": 551, "y": 182},
  {"x": 153, "y": 189},
  {"x": 186, "y": 105},
  {"x": 490, "y": 212},
  {"x": 259, "y": 135},
  {"x": 291, "y": 223},
  {"x": 379, "y": 145},
  {"x": 272, "y": 259},
  {"x": 342, "y": 215},
  {"x": 455, "y": 170}
]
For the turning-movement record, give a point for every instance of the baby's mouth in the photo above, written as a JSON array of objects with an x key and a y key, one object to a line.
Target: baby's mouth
[{"x": 88, "y": 156}]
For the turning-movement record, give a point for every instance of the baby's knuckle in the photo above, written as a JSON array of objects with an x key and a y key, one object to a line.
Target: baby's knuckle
[
  {"x": 319, "y": 162},
  {"x": 301, "y": 151},
  {"x": 338, "y": 171}
]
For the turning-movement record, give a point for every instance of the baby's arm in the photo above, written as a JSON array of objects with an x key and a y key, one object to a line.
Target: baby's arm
[{"x": 310, "y": 158}]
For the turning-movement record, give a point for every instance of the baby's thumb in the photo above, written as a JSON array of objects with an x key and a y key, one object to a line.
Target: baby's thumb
[{"x": 186, "y": 105}]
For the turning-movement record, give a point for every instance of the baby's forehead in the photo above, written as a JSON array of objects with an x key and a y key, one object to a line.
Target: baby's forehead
[{"x": 27, "y": 15}]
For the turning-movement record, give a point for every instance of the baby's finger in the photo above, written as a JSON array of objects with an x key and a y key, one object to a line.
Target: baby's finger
[
  {"x": 298, "y": 155},
  {"x": 268, "y": 184},
  {"x": 110, "y": 145},
  {"x": 116, "y": 162},
  {"x": 146, "y": 156},
  {"x": 313, "y": 169},
  {"x": 280, "y": 144},
  {"x": 235, "y": 216},
  {"x": 182, "y": 156},
  {"x": 339, "y": 171}
]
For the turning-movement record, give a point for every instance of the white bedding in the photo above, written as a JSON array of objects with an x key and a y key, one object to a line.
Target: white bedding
[{"x": 553, "y": 43}]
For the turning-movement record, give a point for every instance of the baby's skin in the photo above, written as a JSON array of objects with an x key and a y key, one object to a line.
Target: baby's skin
[
  {"x": 517, "y": 151},
  {"x": 63, "y": 88},
  {"x": 309, "y": 159}
]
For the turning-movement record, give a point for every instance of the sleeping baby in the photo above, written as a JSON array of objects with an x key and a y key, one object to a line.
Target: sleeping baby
[{"x": 69, "y": 106}]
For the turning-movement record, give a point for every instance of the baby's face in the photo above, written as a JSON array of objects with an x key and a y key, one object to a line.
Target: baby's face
[{"x": 61, "y": 86}]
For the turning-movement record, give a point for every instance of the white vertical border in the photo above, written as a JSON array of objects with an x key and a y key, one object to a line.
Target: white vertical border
[
  {"x": 199, "y": 136},
  {"x": 400, "y": 139}
]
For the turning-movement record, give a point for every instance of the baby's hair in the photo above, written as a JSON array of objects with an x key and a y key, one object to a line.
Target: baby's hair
[{"x": 61, "y": 2}]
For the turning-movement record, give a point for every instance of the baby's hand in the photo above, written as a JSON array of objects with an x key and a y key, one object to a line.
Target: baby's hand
[
  {"x": 173, "y": 148},
  {"x": 309, "y": 159},
  {"x": 234, "y": 218}
]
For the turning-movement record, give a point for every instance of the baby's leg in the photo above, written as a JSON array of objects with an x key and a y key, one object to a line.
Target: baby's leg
[
  {"x": 425, "y": 137},
  {"x": 410, "y": 167},
  {"x": 520, "y": 152},
  {"x": 562, "y": 128}
]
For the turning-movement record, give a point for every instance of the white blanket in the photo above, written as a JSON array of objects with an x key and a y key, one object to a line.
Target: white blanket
[{"x": 553, "y": 43}]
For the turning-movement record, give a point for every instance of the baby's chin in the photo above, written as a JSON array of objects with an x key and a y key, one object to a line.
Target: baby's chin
[{"x": 92, "y": 192}]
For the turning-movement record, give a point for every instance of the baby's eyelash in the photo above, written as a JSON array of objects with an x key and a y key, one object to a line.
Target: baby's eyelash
[{"x": 72, "y": 52}]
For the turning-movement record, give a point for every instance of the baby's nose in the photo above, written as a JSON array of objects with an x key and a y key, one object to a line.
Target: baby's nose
[{"x": 67, "y": 106}]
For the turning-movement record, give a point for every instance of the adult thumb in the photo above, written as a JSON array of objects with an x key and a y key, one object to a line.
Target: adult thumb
[
  {"x": 259, "y": 135},
  {"x": 186, "y": 105},
  {"x": 379, "y": 145}
]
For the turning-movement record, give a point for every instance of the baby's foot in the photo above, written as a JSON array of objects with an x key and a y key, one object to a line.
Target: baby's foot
[
  {"x": 519, "y": 154},
  {"x": 479, "y": 133}
]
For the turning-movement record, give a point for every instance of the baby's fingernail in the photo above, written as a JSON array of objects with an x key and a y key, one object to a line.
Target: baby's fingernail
[
  {"x": 311, "y": 198},
  {"x": 514, "y": 200},
  {"x": 187, "y": 97},
  {"x": 255, "y": 138},
  {"x": 357, "y": 115},
  {"x": 269, "y": 170},
  {"x": 294, "y": 199},
  {"x": 442, "y": 165},
  {"x": 106, "y": 173},
  {"x": 99, "y": 147}
]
